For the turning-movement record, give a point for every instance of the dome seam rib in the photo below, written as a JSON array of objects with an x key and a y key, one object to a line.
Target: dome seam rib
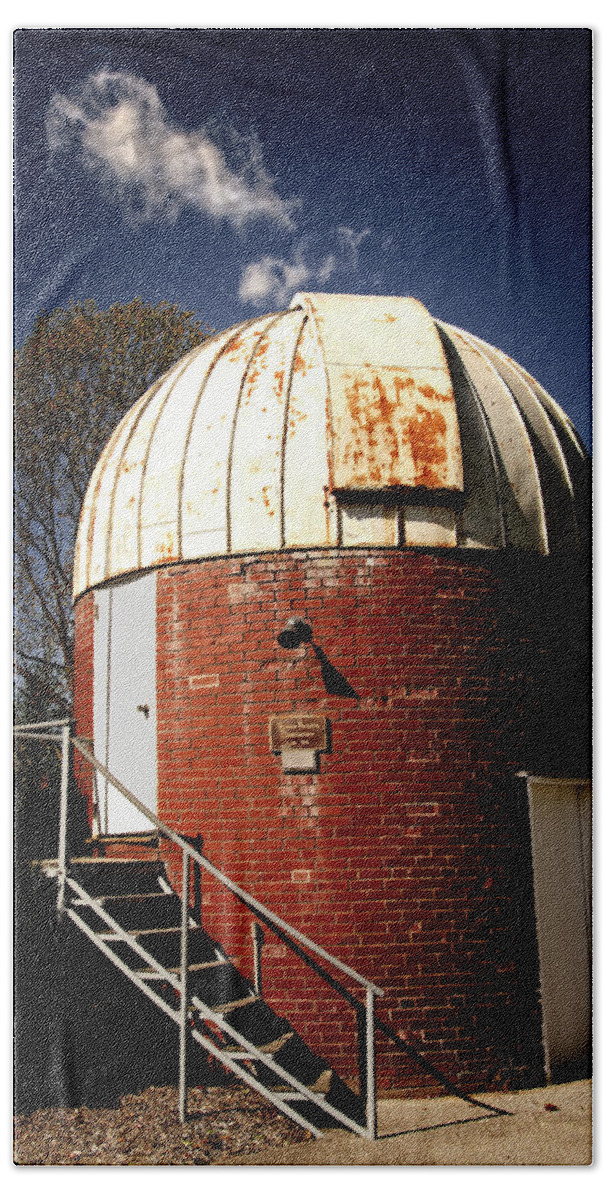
[
  {"x": 152, "y": 392},
  {"x": 531, "y": 384},
  {"x": 492, "y": 447},
  {"x": 561, "y": 466},
  {"x": 520, "y": 417},
  {"x": 178, "y": 376},
  {"x": 272, "y": 321},
  {"x": 286, "y": 426},
  {"x": 235, "y": 332}
]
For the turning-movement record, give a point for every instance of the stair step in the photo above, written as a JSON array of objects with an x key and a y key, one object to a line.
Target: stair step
[
  {"x": 114, "y": 875},
  {"x": 135, "y": 896},
  {"x": 256, "y": 1022},
  {"x": 165, "y": 944},
  {"x": 144, "y": 912},
  {"x": 233, "y": 1004},
  {"x": 204, "y": 966},
  {"x": 320, "y": 1087},
  {"x": 120, "y": 839},
  {"x": 94, "y": 860},
  {"x": 277, "y": 1043},
  {"x": 140, "y": 933},
  {"x": 213, "y": 983},
  {"x": 154, "y": 911},
  {"x": 297, "y": 1058},
  {"x": 235, "y": 1050}
]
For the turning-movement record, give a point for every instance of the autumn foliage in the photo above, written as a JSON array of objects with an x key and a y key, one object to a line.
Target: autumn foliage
[{"x": 77, "y": 373}]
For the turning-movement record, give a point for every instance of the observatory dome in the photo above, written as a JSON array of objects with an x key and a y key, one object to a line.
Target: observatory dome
[{"x": 341, "y": 421}]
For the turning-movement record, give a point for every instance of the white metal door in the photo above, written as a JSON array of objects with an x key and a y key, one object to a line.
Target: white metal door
[{"x": 124, "y": 699}]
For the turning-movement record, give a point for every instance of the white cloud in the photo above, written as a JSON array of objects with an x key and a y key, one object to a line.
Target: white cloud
[
  {"x": 277, "y": 278},
  {"x": 273, "y": 278},
  {"x": 119, "y": 127}
]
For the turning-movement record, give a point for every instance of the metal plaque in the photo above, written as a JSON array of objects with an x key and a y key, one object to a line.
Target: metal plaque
[{"x": 298, "y": 731}]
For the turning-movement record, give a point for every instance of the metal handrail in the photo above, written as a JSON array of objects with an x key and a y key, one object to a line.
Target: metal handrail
[
  {"x": 247, "y": 899},
  {"x": 41, "y": 724},
  {"x": 286, "y": 932}
]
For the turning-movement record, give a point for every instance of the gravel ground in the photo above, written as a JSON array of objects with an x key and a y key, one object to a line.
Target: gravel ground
[{"x": 144, "y": 1130}]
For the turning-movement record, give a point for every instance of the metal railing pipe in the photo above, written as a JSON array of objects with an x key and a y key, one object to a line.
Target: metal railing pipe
[
  {"x": 257, "y": 936},
  {"x": 42, "y": 724},
  {"x": 183, "y": 1000},
  {"x": 63, "y": 816},
  {"x": 371, "y": 1106}
]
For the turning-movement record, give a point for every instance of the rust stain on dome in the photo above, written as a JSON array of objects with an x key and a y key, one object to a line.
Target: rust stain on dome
[
  {"x": 389, "y": 438},
  {"x": 427, "y": 440},
  {"x": 164, "y": 551}
]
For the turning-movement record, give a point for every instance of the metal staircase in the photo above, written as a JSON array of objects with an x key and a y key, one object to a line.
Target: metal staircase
[
  {"x": 128, "y": 909},
  {"x": 131, "y": 914}
]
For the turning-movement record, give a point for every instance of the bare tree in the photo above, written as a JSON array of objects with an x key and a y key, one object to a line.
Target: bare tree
[{"x": 75, "y": 376}]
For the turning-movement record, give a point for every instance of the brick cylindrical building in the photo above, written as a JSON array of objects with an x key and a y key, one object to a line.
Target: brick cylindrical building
[{"x": 419, "y": 503}]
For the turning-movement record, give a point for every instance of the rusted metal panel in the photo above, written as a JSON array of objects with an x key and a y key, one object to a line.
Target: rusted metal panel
[
  {"x": 80, "y": 579},
  {"x": 309, "y": 508},
  {"x": 255, "y": 498},
  {"x": 122, "y": 519},
  {"x": 517, "y": 474},
  {"x": 92, "y": 517},
  {"x": 562, "y": 421},
  {"x": 392, "y": 408}
]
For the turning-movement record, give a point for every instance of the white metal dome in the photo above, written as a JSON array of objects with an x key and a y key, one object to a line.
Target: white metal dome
[{"x": 342, "y": 421}]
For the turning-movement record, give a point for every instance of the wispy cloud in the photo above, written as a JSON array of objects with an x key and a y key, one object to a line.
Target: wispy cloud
[
  {"x": 118, "y": 126},
  {"x": 277, "y": 279},
  {"x": 349, "y": 241}
]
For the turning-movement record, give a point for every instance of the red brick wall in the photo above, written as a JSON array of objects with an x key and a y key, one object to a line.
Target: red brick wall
[
  {"x": 413, "y": 832},
  {"x": 408, "y": 855}
]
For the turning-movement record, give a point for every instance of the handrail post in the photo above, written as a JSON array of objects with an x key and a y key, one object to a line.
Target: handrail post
[
  {"x": 183, "y": 1007},
  {"x": 370, "y": 1083},
  {"x": 63, "y": 816},
  {"x": 257, "y": 935}
]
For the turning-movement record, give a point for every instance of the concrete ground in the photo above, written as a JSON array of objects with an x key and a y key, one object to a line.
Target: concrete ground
[{"x": 548, "y": 1126}]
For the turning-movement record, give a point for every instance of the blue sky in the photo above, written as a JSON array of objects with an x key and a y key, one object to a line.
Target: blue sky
[{"x": 225, "y": 170}]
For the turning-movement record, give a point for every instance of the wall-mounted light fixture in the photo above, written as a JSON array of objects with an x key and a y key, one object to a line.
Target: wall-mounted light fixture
[{"x": 295, "y": 632}]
